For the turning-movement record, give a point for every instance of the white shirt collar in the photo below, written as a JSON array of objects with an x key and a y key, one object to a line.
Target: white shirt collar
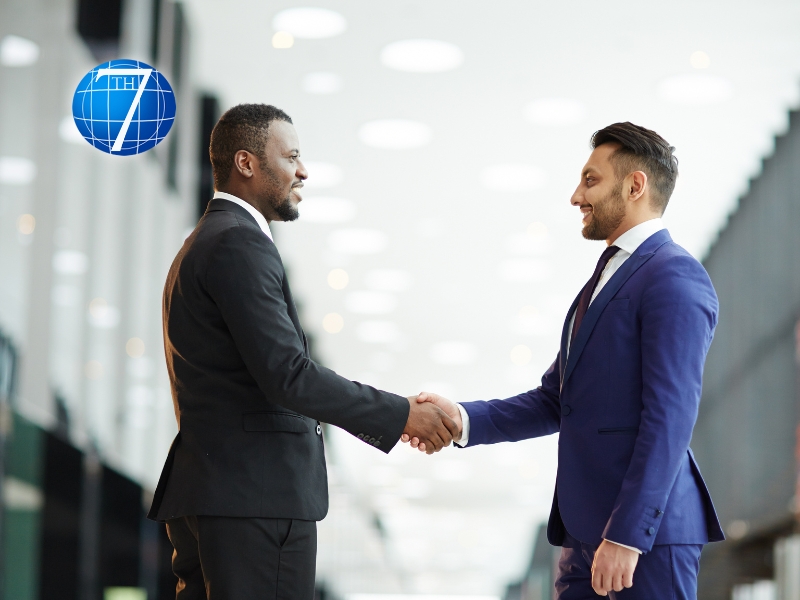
[
  {"x": 635, "y": 236},
  {"x": 262, "y": 222}
]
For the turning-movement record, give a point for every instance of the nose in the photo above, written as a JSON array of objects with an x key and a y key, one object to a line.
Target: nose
[
  {"x": 577, "y": 197},
  {"x": 301, "y": 170}
]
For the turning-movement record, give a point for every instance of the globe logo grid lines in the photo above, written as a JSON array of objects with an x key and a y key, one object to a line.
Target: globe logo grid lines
[{"x": 124, "y": 107}]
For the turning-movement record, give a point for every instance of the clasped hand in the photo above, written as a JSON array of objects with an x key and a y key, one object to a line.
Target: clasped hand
[{"x": 425, "y": 433}]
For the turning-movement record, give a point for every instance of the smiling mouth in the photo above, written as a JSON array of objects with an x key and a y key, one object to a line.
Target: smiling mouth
[{"x": 586, "y": 211}]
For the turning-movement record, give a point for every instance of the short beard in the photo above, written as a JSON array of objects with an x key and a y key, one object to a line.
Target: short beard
[
  {"x": 285, "y": 209},
  {"x": 281, "y": 207},
  {"x": 607, "y": 215}
]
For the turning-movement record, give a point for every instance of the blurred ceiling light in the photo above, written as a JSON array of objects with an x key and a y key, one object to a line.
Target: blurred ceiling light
[
  {"x": 521, "y": 355},
  {"x": 15, "y": 170},
  {"x": 358, "y": 241},
  {"x": 528, "y": 270},
  {"x": 70, "y": 262},
  {"x": 537, "y": 230},
  {"x": 388, "y": 280},
  {"x": 65, "y": 295},
  {"x": 93, "y": 370},
  {"x": 370, "y": 303},
  {"x": 282, "y": 40},
  {"x": 700, "y": 60},
  {"x": 522, "y": 243},
  {"x": 101, "y": 315},
  {"x": 555, "y": 112},
  {"x": 395, "y": 134},
  {"x": 322, "y": 82},
  {"x": 422, "y": 56},
  {"x": 513, "y": 178},
  {"x": 333, "y": 323},
  {"x": 309, "y": 22},
  {"x": 695, "y": 89},
  {"x": 327, "y": 209},
  {"x": 322, "y": 175},
  {"x": 454, "y": 353},
  {"x": 18, "y": 52},
  {"x": 26, "y": 224},
  {"x": 68, "y": 131},
  {"x": 338, "y": 279},
  {"x": 134, "y": 347},
  {"x": 378, "y": 332}
]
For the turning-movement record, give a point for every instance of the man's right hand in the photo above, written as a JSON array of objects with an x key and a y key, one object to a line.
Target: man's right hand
[
  {"x": 449, "y": 408},
  {"x": 429, "y": 424}
]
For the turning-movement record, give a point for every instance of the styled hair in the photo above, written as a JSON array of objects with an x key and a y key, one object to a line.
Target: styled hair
[
  {"x": 641, "y": 150},
  {"x": 243, "y": 127}
]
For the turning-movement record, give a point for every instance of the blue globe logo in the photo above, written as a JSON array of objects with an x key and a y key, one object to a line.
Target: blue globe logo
[{"x": 124, "y": 107}]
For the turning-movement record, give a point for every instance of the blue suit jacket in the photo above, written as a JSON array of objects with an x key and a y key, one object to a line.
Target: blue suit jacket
[{"x": 625, "y": 401}]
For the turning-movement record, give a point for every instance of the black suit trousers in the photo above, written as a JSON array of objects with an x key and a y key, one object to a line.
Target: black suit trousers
[{"x": 231, "y": 558}]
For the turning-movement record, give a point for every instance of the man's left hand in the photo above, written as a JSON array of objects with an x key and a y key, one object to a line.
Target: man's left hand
[{"x": 613, "y": 568}]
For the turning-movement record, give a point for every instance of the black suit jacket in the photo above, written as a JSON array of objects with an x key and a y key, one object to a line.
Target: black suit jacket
[{"x": 248, "y": 397}]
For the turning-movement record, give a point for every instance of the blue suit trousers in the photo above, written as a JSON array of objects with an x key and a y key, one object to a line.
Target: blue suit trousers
[{"x": 667, "y": 572}]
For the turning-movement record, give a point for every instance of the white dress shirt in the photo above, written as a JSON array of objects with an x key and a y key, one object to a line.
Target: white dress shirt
[
  {"x": 262, "y": 222},
  {"x": 627, "y": 243}
]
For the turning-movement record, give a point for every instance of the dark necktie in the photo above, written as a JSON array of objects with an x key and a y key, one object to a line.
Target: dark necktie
[{"x": 586, "y": 295}]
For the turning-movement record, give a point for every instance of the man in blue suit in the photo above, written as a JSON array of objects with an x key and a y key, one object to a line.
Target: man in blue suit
[{"x": 623, "y": 392}]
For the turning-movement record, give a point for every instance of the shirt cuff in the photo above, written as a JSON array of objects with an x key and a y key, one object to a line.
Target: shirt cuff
[
  {"x": 464, "y": 426},
  {"x": 624, "y": 546}
]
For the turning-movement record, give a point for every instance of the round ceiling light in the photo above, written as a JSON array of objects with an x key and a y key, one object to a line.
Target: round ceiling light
[
  {"x": 358, "y": 241},
  {"x": 16, "y": 170},
  {"x": 454, "y": 353},
  {"x": 555, "y": 112},
  {"x": 513, "y": 178},
  {"x": 422, "y": 56},
  {"x": 395, "y": 134},
  {"x": 327, "y": 209},
  {"x": 695, "y": 89},
  {"x": 309, "y": 22},
  {"x": 322, "y": 82},
  {"x": 322, "y": 175},
  {"x": 16, "y": 51}
]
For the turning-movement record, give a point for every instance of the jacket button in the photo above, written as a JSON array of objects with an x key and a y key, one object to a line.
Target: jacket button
[
  {"x": 566, "y": 410},
  {"x": 651, "y": 531},
  {"x": 319, "y": 429}
]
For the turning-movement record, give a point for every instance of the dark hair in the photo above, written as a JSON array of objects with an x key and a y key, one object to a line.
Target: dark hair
[
  {"x": 641, "y": 150},
  {"x": 243, "y": 127}
]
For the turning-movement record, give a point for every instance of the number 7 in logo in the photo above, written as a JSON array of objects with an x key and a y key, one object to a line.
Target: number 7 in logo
[{"x": 145, "y": 75}]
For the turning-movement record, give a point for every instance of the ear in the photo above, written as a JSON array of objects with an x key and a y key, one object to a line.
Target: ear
[
  {"x": 244, "y": 163},
  {"x": 635, "y": 186}
]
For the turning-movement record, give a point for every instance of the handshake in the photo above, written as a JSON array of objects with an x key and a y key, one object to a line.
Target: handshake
[{"x": 433, "y": 422}]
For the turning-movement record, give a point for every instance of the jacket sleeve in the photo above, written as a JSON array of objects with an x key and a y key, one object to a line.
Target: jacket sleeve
[
  {"x": 244, "y": 277},
  {"x": 532, "y": 414},
  {"x": 678, "y": 315}
]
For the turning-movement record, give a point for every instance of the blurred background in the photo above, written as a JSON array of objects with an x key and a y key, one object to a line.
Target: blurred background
[{"x": 436, "y": 250}]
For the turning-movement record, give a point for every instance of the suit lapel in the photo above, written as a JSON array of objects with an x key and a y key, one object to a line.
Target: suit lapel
[
  {"x": 565, "y": 334},
  {"x": 643, "y": 253}
]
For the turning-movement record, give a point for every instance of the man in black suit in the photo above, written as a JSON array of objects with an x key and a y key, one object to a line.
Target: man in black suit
[{"x": 245, "y": 482}]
